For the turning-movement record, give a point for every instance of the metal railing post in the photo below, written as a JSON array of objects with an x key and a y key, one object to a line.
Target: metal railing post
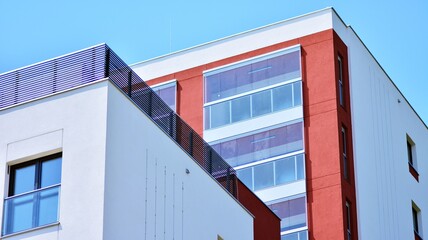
[
  {"x": 107, "y": 63},
  {"x": 191, "y": 143},
  {"x": 228, "y": 179},
  {"x": 130, "y": 83},
  {"x": 210, "y": 161}
]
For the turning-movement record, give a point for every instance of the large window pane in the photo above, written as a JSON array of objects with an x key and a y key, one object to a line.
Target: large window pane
[
  {"x": 282, "y": 97},
  {"x": 246, "y": 176},
  {"x": 263, "y": 176},
  {"x": 285, "y": 170},
  {"x": 51, "y": 172},
  {"x": 300, "y": 167},
  {"x": 24, "y": 179},
  {"x": 262, "y": 145},
  {"x": 252, "y": 75},
  {"x": 297, "y": 90},
  {"x": 302, "y": 235},
  {"x": 261, "y": 103},
  {"x": 220, "y": 114},
  {"x": 19, "y": 214},
  {"x": 241, "y": 109},
  {"x": 292, "y": 213},
  {"x": 48, "y": 209}
]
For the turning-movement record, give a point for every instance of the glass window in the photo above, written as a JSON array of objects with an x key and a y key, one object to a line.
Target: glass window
[
  {"x": 33, "y": 194},
  {"x": 220, "y": 114},
  {"x": 292, "y": 212},
  {"x": 344, "y": 154},
  {"x": 282, "y": 97},
  {"x": 285, "y": 170},
  {"x": 341, "y": 94},
  {"x": 167, "y": 92},
  {"x": 261, "y": 103},
  {"x": 348, "y": 220},
  {"x": 252, "y": 75},
  {"x": 297, "y": 93},
  {"x": 263, "y": 176},
  {"x": 302, "y": 235},
  {"x": 261, "y": 145},
  {"x": 246, "y": 176},
  {"x": 241, "y": 109},
  {"x": 415, "y": 216}
]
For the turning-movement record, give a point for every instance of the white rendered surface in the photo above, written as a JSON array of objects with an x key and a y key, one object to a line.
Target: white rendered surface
[
  {"x": 74, "y": 123},
  {"x": 106, "y": 177},
  {"x": 148, "y": 193},
  {"x": 381, "y": 118}
]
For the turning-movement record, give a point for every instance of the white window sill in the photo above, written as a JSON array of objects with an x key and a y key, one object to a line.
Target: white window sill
[{"x": 30, "y": 230}]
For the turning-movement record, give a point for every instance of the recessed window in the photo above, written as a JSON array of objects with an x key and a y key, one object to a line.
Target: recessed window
[
  {"x": 416, "y": 214},
  {"x": 252, "y": 88},
  {"x": 345, "y": 154},
  {"x": 167, "y": 92},
  {"x": 348, "y": 221},
  {"x": 33, "y": 197},
  {"x": 261, "y": 144},
  {"x": 292, "y": 212},
  {"x": 340, "y": 81},
  {"x": 411, "y": 158}
]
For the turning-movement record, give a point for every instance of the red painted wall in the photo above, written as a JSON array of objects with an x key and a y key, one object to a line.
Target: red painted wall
[
  {"x": 266, "y": 223},
  {"x": 327, "y": 190}
]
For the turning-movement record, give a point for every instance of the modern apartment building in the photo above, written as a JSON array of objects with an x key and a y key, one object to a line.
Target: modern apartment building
[
  {"x": 310, "y": 122},
  {"x": 89, "y": 151}
]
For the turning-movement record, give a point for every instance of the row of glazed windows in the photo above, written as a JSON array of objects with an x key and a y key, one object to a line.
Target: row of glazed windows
[
  {"x": 253, "y": 105},
  {"x": 291, "y": 211},
  {"x": 262, "y": 144},
  {"x": 274, "y": 173},
  {"x": 251, "y": 75}
]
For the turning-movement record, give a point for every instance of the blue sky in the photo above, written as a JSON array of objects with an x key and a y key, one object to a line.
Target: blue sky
[{"x": 396, "y": 32}]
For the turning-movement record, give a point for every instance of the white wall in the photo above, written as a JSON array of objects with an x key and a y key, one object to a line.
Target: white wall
[
  {"x": 385, "y": 188},
  {"x": 148, "y": 193},
  {"x": 74, "y": 123}
]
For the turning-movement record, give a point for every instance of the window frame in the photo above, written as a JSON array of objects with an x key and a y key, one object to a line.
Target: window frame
[
  {"x": 348, "y": 220},
  {"x": 341, "y": 81},
  {"x": 344, "y": 152},
  {"x": 37, "y": 188}
]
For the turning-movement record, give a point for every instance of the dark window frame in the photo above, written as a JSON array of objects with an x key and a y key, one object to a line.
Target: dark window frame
[
  {"x": 38, "y": 175},
  {"x": 348, "y": 220},
  {"x": 344, "y": 152},
  {"x": 341, "y": 81}
]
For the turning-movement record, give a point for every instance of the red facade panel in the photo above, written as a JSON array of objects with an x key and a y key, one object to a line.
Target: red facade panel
[{"x": 327, "y": 190}]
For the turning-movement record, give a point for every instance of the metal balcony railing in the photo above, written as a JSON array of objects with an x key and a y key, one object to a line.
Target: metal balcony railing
[
  {"x": 99, "y": 62},
  {"x": 30, "y": 210}
]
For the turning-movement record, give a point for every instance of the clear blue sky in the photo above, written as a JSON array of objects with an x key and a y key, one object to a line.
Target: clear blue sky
[{"x": 396, "y": 32}]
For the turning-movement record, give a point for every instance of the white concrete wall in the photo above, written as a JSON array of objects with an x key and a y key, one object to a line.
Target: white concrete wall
[
  {"x": 381, "y": 118},
  {"x": 74, "y": 123},
  {"x": 148, "y": 194}
]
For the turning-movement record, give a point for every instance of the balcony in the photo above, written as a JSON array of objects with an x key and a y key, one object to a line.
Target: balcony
[{"x": 31, "y": 210}]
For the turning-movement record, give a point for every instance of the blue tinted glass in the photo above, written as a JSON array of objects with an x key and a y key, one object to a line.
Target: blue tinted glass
[
  {"x": 19, "y": 214},
  {"x": 282, "y": 97},
  {"x": 263, "y": 176},
  {"x": 292, "y": 236},
  {"x": 51, "y": 172},
  {"x": 246, "y": 176},
  {"x": 240, "y": 109},
  {"x": 261, "y": 103},
  {"x": 48, "y": 209},
  {"x": 220, "y": 114},
  {"x": 297, "y": 89},
  {"x": 300, "y": 167},
  {"x": 285, "y": 170},
  {"x": 24, "y": 179}
]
